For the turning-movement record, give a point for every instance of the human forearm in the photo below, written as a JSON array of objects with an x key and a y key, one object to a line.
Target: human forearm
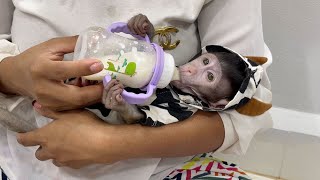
[
  {"x": 7, "y": 66},
  {"x": 203, "y": 132},
  {"x": 79, "y": 138}
]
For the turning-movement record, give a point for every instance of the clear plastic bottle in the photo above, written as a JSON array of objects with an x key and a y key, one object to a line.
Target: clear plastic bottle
[{"x": 136, "y": 63}]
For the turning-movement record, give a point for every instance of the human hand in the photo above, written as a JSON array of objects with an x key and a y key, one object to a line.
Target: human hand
[
  {"x": 80, "y": 82},
  {"x": 112, "y": 98},
  {"x": 141, "y": 25},
  {"x": 39, "y": 73},
  {"x": 75, "y": 138}
]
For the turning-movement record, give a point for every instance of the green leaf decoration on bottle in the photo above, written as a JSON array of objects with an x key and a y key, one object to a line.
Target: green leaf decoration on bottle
[
  {"x": 131, "y": 69},
  {"x": 110, "y": 67}
]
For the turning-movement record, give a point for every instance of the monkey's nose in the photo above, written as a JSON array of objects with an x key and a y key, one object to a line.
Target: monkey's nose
[
  {"x": 192, "y": 70},
  {"x": 187, "y": 70}
]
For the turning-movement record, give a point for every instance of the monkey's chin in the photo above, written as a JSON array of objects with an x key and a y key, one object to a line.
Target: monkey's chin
[{"x": 175, "y": 83}]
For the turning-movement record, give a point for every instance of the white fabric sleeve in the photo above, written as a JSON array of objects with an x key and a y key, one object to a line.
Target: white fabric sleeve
[
  {"x": 237, "y": 24},
  {"x": 7, "y": 49}
]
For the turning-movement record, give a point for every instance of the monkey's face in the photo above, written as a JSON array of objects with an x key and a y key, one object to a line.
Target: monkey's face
[{"x": 201, "y": 76}]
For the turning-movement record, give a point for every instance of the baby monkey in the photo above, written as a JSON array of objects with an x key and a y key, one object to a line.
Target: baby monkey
[{"x": 209, "y": 81}]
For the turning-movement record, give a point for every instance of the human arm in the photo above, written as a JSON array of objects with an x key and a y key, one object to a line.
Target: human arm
[{"x": 106, "y": 143}]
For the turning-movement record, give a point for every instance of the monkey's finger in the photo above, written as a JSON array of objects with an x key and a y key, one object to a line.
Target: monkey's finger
[
  {"x": 109, "y": 89},
  {"x": 145, "y": 26},
  {"x": 110, "y": 84},
  {"x": 137, "y": 25},
  {"x": 131, "y": 24},
  {"x": 116, "y": 87},
  {"x": 114, "y": 96},
  {"x": 119, "y": 98},
  {"x": 140, "y": 22}
]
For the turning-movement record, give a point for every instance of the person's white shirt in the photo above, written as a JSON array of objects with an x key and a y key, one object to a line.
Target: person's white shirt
[{"x": 232, "y": 23}]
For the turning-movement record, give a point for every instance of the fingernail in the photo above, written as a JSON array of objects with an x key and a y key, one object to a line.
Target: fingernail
[
  {"x": 37, "y": 105},
  {"x": 96, "y": 67},
  {"x": 18, "y": 135}
]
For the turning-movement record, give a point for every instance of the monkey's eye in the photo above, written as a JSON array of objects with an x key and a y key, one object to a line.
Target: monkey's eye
[
  {"x": 210, "y": 76},
  {"x": 206, "y": 61}
]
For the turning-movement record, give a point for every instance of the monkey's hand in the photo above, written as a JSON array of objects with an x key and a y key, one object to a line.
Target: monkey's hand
[
  {"x": 113, "y": 100},
  {"x": 140, "y": 24}
]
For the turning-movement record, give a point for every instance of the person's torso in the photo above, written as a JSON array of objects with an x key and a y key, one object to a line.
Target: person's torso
[{"x": 36, "y": 21}]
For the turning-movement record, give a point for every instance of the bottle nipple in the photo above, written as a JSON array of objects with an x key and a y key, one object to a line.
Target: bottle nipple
[{"x": 176, "y": 74}]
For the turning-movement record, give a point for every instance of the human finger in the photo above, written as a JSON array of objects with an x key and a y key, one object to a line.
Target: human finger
[
  {"x": 45, "y": 111},
  {"x": 62, "y": 44},
  {"x": 62, "y": 70},
  {"x": 76, "y": 164},
  {"x": 31, "y": 138},
  {"x": 57, "y": 163},
  {"x": 43, "y": 155},
  {"x": 79, "y": 97}
]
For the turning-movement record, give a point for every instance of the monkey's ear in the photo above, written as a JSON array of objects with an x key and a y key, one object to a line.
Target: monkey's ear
[
  {"x": 219, "y": 104},
  {"x": 257, "y": 59}
]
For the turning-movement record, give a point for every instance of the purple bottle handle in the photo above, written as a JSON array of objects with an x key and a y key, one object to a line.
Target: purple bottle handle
[{"x": 133, "y": 98}]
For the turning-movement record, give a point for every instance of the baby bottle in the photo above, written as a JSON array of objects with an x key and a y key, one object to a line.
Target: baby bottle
[{"x": 132, "y": 60}]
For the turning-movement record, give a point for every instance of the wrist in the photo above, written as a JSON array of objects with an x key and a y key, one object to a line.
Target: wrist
[{"x": 6, "y": 67}]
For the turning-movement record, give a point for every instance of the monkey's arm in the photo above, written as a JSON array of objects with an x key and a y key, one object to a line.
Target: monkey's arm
[
  {"x": 131, "y": 114},
  {"x": 113, "y": 100},
  {"x": 140, "y": 24}
]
